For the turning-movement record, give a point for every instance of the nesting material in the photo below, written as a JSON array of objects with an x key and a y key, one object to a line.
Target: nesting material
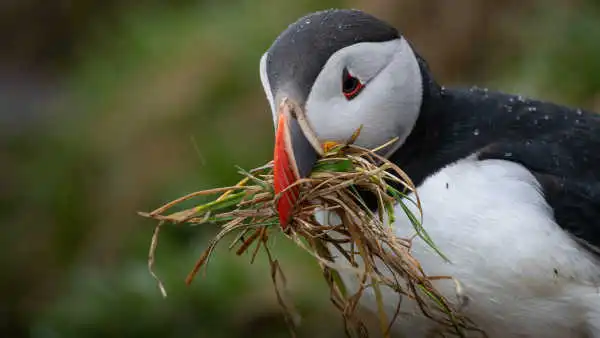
[{"x": 247, "y": 211}]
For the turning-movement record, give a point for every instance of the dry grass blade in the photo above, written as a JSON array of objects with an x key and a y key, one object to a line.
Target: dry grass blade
[
  {"x": 151, "y": 253},
  {"x": 363, "y": 244}
]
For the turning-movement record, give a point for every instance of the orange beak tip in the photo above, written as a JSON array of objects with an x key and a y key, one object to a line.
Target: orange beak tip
[
  {"x": 294, "y": 157},
  {"x": 283, "y": 174}
]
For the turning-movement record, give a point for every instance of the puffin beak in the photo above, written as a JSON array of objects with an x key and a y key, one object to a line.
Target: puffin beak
[{"x": 295, "y": 154}]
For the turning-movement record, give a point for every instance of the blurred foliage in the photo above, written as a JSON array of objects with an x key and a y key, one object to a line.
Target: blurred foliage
[{"x": 114, "y": 107}]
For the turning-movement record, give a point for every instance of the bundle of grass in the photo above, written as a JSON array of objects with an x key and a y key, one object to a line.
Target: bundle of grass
[{"x": 364, "y": 243}]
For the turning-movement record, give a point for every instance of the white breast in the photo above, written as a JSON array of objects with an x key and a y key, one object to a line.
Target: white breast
[{"x": 522, "y": 274}]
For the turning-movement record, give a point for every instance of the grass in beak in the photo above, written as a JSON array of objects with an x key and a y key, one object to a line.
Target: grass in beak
[{"x": 364, "y": 243}]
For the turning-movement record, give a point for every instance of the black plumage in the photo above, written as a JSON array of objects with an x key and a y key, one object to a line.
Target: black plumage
[{"x": 558, "y": 144}]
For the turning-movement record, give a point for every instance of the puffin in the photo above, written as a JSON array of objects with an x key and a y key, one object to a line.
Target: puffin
[{"x": 509, "y": 185}]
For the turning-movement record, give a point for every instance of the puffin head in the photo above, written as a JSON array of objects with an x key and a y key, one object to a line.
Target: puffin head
[{"x": 329, "y": 74}]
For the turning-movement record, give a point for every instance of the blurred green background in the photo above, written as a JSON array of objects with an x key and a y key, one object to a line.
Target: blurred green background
[{"x": 112, "y": 107}]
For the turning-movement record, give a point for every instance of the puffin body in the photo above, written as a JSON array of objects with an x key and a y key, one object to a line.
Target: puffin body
[{"x": 509, "y": 187}]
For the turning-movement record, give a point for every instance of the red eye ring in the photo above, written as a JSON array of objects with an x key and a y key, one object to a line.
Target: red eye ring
[{"x": 351, "y": 86}]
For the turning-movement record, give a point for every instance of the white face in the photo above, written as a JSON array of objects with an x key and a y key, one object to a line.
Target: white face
[{"x": 386, "y": 102}]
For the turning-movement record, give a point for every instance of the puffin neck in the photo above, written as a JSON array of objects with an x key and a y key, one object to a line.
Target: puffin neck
[
  {"x": 452, "y": 124},
  {"x": 456, "y": 123},
  {"x": 416, "y": 154}
]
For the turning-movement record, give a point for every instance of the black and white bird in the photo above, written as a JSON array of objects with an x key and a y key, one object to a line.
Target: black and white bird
[{"x": 510, "y": 187}]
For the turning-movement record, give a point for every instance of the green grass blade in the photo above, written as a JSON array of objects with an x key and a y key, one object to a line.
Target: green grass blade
[
  {"x": 227, "y": 202},
  {"x": 338, "y": 165},
  {"x": 337, "y": 280},
  {"x": 261, "y": 183},
  {"x": 420, "y": 230}
]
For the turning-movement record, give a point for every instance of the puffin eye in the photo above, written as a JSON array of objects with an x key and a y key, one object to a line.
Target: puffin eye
[{"x": 351, "y": 86}]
